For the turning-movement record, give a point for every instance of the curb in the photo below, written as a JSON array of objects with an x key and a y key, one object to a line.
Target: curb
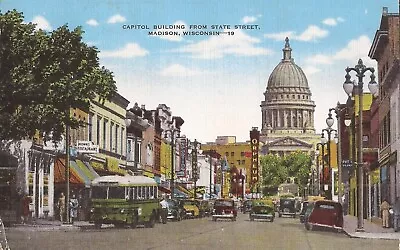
[{"x": 381, "y": 236}]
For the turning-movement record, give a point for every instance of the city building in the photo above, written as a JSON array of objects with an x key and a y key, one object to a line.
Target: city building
[
  {"x": 386, "y": 51},
  {"x": 287, "y": 110}
]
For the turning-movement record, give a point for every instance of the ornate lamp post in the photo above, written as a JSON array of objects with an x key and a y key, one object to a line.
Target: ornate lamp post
[
  {"x": 172, "y": 131},
  {"x": 329, "y": 130},
  {"x": 348, "y": 86}
]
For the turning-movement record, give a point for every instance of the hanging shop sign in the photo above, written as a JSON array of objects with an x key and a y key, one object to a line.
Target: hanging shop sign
[
  {"x": 254, "y": 138},
  {"x": 87, "y": 147}
]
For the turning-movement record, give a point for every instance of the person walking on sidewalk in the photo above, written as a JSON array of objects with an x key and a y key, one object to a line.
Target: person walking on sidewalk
[
  {"x": 61, "y": 206},
  {"x": 385, "y": 206},
  {"x": 73, "y": 208}
]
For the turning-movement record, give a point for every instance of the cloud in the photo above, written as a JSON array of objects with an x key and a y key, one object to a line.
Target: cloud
[
  {"x": 319, "y": 59},
  {"x": 332, "y": 21},
  {"x": 249, "y": 19},
  {"x": 310, "y": 70},
  {"x": 92, "y": 22},
  {"x": 41, "y": 23},
  {"x": 130, "y": 50},
  {"x": 173, "y": 38},
  {"x": 116, "y": 19},
  {"x": 312, "y": 33},
  {"x": 355, "y": 49},
  {"x": 239, "y": 44},
  {"x": 179, "y": 70}
]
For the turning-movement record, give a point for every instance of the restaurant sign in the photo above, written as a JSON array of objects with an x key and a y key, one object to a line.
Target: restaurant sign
[{"x": 87, "y": 147}]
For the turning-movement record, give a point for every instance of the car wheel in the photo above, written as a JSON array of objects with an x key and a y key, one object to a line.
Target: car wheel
[
  {"x": 251, "y": 218},
  {"x": 214, "y": 219},
  {"x": 97, "y": 225},
  {"x": 151, "y": 222},
  {"x": 280, "y": 215},
  {"x": 234, "y": 219},
  {"x": 272, "y": 219}
]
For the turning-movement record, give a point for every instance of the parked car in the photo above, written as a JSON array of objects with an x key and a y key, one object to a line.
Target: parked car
[
  {"x": 190, "y": 208},
  {"x": 287, "y": 206},
  {"x": 224, "y": 209},
  {"x": 262, "y": 209},
  {"x": 246, "y": 206},
  {"x": 175, "y": 210},
  {"x": 324, "y": 214}
]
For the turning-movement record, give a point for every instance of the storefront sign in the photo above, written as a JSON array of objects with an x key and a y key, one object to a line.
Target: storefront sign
[
  {"x": 87, "y": 147},
  {"x": 182, "y": 156},
  {"x": 254, "y": 137}
]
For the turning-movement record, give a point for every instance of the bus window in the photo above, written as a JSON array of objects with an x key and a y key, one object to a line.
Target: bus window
[
  {"x": 99, "y": 192},
  {"x": 133, "y": 193},
  {"x": 151, "y": 193},
  {"x": 116, "y": 193},
  {"x": 139, "y": 193},
  {"x": 127, "y": 193}
]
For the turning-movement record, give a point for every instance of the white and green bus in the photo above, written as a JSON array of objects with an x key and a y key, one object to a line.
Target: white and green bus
[{"x": 124, "y": 200}]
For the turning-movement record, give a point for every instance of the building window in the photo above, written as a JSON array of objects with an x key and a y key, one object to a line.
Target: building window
[
  {"x": 232, "y": 153},
  {"x": 122, "y": 141},
  {"x": 129, "y": 153},
  {"x": 242, "y": 154},
  {"x": 111, "y": 136},
  {"x": 243, "y": 162},
  {"x": 116, "y": 138},
  {"x": 226, "y": 153},
  {"x": 238, "y": 162},
  {"x": 98, "y": 130},
  {"x": 105, "y": 123}
]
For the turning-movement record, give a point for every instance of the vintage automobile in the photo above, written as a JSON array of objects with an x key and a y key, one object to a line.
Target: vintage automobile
[
  {"x": 324, "y": 214},
  {"x": 246, "y": 206},
  {"x": 224, "y": 209},
  {"x": 287, "y": 206},
  {"x": 205, "y": 208},
  {"x": 305, "y": 205},
  {"x": 175, "y": 210},
  {"x": 262, "y": 209},
  {"x": 190, "y": 208}
]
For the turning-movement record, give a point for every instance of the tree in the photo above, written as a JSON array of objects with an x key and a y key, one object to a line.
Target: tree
[
  {"x": 276, "y": 170},
  {"x": 43, "y": 75},
  {"x": 273, "y": 171}
]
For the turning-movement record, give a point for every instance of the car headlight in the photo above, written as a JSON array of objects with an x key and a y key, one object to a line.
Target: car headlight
[
  {"x": 139, "y": 211},
  {"x": 92, "y": 210},
  {"x": 122, "y": 211}
]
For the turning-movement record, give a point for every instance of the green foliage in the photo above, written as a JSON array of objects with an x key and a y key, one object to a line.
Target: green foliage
[
  {"x": 276, "y": 170},
  {"x": 42, "y": 75}
]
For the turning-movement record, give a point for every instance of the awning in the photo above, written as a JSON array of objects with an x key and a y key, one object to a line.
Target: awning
[{"x": 80, "y": 174}]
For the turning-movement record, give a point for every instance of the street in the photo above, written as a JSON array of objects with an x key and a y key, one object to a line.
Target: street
[{"x": 283, "y": 233}]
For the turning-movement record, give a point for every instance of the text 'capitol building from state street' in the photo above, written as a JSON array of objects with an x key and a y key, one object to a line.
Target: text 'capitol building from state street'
[{"x": 287, "y": 111}]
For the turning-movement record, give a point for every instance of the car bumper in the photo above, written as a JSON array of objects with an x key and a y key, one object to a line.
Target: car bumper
[
  {"x": 223, "y": 216},
  {"x": 326, "y": 226},
  {"x": 262, "y": 216}
]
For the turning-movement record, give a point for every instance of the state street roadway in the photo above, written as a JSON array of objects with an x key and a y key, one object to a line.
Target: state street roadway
[{"x": 283, "y": 233}]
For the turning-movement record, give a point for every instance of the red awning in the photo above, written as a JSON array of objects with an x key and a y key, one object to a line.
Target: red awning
[
  {"x": 59, "y": 173},
  {"x": 164, "y": 190}
]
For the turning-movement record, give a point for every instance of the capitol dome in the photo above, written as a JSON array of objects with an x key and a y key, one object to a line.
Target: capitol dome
[
  {"x": 287, "y": 107},
  {"x": 287, "y": 73}
]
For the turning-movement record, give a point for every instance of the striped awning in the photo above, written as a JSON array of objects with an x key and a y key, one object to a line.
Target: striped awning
[{"x": 81, "y": 173}]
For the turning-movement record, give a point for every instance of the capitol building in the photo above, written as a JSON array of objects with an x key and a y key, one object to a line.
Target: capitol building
[{"x": 287, "y": 110}]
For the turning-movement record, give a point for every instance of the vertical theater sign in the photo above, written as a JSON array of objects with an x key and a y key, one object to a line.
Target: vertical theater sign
[{"x": 254, "y": 139}]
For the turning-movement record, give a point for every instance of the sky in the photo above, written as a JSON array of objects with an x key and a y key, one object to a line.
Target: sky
[{"x": 216, "y": 82}]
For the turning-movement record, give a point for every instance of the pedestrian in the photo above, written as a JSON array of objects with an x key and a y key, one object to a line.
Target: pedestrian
[
  {"x": 164, "y": 210},
  {"x": 73, "y": 208},
  {"x": 61, "y": 206},
  {"x": 385, "y": 206}
]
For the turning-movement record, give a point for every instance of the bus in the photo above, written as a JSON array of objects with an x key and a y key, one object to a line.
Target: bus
[{"x": 124, "y": 201}]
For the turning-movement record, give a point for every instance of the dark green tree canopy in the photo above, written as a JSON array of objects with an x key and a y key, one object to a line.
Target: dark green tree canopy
[
  {"x": 42, "y": 75},
  {"x": 277, "y": 170}
]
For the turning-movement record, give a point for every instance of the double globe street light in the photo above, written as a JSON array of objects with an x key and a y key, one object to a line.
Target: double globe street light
[
  {"x": 329, "y": 130},
  {"x": 351, "y": 88}
]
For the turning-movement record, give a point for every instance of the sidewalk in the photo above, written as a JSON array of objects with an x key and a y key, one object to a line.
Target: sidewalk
[
  {"x": 371, "y": 230},
  {"x": 49, "y": 225}
]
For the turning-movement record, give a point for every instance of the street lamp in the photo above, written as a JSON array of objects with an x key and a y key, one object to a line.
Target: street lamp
[
  {"x": 329, "y": 130},
  {"x": 348, "y": 86},
  {"x": 172, "y": 132}
]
